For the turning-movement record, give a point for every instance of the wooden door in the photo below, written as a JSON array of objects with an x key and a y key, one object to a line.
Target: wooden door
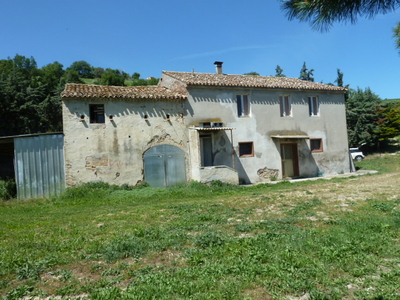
[{"x": 290, "y": 164}]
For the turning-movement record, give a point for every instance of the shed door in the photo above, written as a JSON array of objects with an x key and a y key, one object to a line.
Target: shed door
[{"x": 164, "y": 165}]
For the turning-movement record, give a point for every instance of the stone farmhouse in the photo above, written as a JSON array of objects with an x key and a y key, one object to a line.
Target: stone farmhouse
[{"x": 204, "y": 126}]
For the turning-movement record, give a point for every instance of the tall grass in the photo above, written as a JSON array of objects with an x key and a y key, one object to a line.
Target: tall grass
[
  {"x": 8, "y": 189},
  {"x": 216, "y": 241}
]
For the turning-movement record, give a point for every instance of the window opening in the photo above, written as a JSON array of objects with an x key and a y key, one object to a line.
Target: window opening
[
  {"x": 316, "y": 145},
  {"x": 96, "y": 113},
  {"x": 246, "y": 149},
  {"x": 313, "y": 105},
  {"x": 285, "y": 105},
  {"x": 243, "y": 105}
]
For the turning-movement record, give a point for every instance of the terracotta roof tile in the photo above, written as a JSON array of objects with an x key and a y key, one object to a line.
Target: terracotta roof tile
[
  {"x": 250, "y": 81},
  {"x": 151, "y": 92}
]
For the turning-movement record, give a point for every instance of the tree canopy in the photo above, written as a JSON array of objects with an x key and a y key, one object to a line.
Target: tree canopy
[
  {"x": 306, "y": 74},
  {"x": 396, "y": 35},
  {"x": 321, "y": 14},
  {"x": 279, "y": 72},
  {"x": 362, "y": 118}
]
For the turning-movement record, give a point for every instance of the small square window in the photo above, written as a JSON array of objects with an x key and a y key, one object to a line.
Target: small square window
[
  {"x": 243, "y": 105},
  {"x": 96, "y": 113},
  {"x": 316, "y": 145},
  {"x": 246, "y": 149},
  {"x": 313, "y": 105},
  {"x": 285, "y": 106}
]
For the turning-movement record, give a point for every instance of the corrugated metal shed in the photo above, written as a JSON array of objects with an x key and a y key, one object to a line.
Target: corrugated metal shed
[{"x": 39, "y": 165}]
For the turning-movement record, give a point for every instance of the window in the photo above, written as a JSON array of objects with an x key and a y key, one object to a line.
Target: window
[
  {"x": 96, "y": 113},
  {"x": 243, "y": 105},
  {"x": 313, "y": 105},
  {"x": 285, "y": 105},
  {"x": 316, "y": 145},
  {"x": 246, "y": 149}
]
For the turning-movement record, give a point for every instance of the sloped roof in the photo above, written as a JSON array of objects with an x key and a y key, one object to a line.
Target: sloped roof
[
  {"x": 151, "y": 92},
  {"x": 250, "y": 81}
]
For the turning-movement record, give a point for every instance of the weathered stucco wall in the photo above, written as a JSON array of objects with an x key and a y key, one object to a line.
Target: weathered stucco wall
[
  {"x": 113, "y": 152},
  {"x": 219, "y": 105}
]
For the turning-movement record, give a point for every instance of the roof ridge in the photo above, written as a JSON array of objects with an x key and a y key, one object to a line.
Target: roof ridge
[{"x": 250, "y": 81}]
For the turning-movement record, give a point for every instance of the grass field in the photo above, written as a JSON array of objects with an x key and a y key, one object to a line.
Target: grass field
[{"x": 322, "y": 239}]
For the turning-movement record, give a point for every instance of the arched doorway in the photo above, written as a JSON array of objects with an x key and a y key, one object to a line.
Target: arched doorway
[{"x": 164, "y": 165}]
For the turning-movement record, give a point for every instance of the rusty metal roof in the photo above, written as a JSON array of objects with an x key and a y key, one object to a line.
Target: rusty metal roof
[
  {"x": 250, "y": 81},
  {"x": 150, "y": 92}
]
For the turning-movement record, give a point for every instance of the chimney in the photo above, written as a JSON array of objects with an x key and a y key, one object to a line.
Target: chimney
[{"x": 218, "y": 66}]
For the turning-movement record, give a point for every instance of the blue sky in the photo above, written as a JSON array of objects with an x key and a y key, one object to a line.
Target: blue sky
[{"x": 180, "y": 35}]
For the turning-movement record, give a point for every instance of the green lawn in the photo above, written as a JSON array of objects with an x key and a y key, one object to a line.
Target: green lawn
[{"x": 329, "y": 239}]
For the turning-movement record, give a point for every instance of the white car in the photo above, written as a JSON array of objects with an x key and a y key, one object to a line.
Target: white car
[{"x": 356, "y": 154}]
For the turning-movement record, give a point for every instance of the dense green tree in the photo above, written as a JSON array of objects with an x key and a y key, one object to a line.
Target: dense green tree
[
  {"x": 279, "y": 72},
  {"x": 136, "y": 76},
  {"x": 84, "y": 69},
  {"x": 6, "y": 66},
  {"x": 389, "y": 121},
  {"x": 306, "y": 74},
  {"x": 362, "y": 118},
  {"x": 51, "y": 75},
  {"x": 29, "y": 97},
  {"x": 98, "y": 72},
  {"x": 113, "y": 77},
  {"x": 19, "y": 103},
  {"x": 72, "y": 76}
]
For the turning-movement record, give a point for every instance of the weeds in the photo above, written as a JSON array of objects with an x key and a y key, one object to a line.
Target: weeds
[
  {"x": 8, "y": 189},
  {"x": 201, "y": 241}
]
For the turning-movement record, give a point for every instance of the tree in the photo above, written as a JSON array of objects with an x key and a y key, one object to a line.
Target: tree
[
  {"x": 279, "y": 72},
  {"x": 362, "y": 118},
  {"x": 72, "y": 76},
  {"x": 51, "y": 75},
  {"x": 396, "y": 35},
  {"x": 84, "y": 69},
  {"x": 113, "y": 77},
  {"x": 97, "y": 72},
  {"x": 339, "y": 79},
  {"x": 136, "y": 76},
  {"x": 137, "y": 81},
  {"x": 389, "y": 121},
  {"x": 29, "y": 97},
  {"x": 306, "y": 74},
  {"x": 321, "y": 14}
]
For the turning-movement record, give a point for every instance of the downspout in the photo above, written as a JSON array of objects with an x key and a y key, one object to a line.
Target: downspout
[{"x": 233, "y": 152}]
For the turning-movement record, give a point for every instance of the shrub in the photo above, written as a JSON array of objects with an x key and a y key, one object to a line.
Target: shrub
[{"x": 8, "y": 189}]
